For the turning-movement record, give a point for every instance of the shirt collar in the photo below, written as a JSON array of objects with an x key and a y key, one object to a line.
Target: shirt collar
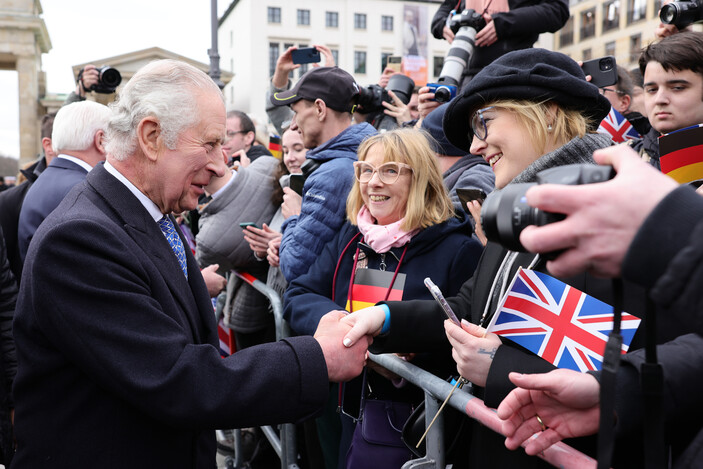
[{"x": 148, "y": 204}]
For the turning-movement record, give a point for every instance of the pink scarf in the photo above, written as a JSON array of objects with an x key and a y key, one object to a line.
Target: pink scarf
[{"x": 382, "y": 238}]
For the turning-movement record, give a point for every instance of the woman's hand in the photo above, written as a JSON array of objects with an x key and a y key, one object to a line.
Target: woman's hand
[
  {"x": 259, "y": 238},
  {"x": 473, "y": 349},
  {"x": 292, "y": 202},
  {"x": 398, "y": 109},
  {"x": 367, "y": 321},
  {"x": 272, "y": 252},
  {"x": 474, "y": 207}
]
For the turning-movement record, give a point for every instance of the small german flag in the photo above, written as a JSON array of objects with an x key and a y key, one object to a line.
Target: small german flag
[
  {"x": 275, "y": 146},
  {"x": 681, "y": 154},
  {"x": 371, "y": 286}
]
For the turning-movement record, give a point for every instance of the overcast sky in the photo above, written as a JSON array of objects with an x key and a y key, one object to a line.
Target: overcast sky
[{"x": 83, "y": 31}]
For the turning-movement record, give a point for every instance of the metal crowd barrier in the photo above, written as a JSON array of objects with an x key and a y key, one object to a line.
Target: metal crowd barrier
[
  {"x": 283, "y": 442},
  {"x": 436, "y": 390}
]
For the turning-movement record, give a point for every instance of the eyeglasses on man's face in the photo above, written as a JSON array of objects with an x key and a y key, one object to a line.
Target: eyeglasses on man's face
[
  {"x": 612, "y": 90},
  {"x": 478, "y": 123},
  {"x": 388, "y": 173}
]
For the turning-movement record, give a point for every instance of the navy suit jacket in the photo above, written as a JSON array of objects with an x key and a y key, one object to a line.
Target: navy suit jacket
[
  {"x": 45, "y": 195},
  {"x": 118, "y": 365}
]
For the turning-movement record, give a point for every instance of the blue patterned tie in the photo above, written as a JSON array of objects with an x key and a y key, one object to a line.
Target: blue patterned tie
[{"x": 174, "y": 241}]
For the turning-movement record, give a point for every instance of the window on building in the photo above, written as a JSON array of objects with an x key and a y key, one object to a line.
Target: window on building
[
  {"x": 386, "y": 23},
  {"x": 273, "y": 57},
  {"x": 588, "y": 23},
  {"x": 437, "y": 64},
  {"x": 332, "y": 19},
  {"x": 231, "y": 39},
  {"x": 274, "y": 14},
  {"x": 566, "y": 34},
  {"x": 587, "y": 54},
  {"x": 359, "y": 21},
  {"x": 611, "y": 14},
  {"x": 335, "y": 55},
  {"x": 303, "y": 17},
  {"x": 637, "y": 10},
  {"x": 610, "y": 48},
  {"x": 231, "y": 65},
  {"x": 635, "y": 47},
  {"x": 359, "y": 62}
]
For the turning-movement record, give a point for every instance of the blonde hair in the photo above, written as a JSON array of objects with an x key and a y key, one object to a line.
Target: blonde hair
[
  {"x": 428, "y": 202},
  {"x": 535, "y": 117}
]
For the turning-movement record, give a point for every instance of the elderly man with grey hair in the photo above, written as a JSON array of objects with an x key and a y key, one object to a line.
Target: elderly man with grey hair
[
  {"x": 115, "y": 331},
  {"x": 78, "y": 141}
]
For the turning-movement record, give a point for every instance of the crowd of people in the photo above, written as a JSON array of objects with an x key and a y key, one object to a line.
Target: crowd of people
[{"x": 124, "y": 234}]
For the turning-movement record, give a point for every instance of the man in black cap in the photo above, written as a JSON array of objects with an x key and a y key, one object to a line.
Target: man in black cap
[{"x": 322, "y": 101}]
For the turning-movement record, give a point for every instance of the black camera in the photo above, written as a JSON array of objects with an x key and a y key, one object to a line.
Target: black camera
[
  {"x": 505, "y": 212},
  {"x": 108, "y": 80},
  {"x": 681, "y": 14},
  {"x": 371, "y": 98},
  {"x": 297, "y": 181},
  {"x": 465, "y": 26}
]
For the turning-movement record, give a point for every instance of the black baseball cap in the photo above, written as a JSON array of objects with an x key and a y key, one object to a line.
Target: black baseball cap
[{"x": 334, "y": 86}]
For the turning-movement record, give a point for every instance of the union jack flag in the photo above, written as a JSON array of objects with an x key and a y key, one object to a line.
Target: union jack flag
[
  {"x": 561, "y": 324},
  {"x": 617, "y": 127}
]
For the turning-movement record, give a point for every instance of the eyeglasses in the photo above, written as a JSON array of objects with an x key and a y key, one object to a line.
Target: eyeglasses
[
  {"x": 232, "y": 133},
  {"x": 603, "y": 90},
  {"x": 478, "y": 123},
  {"x": 388, "y": 173}
]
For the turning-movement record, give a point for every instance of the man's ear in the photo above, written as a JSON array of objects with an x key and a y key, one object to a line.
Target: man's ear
[
  {"x": 250, "y": 137},
  {"x": 625, "y": 101},
  {"x": 99, "y": 141},
  {"x": 149, "y": 137},
  {"x": 320, "y": 109}
]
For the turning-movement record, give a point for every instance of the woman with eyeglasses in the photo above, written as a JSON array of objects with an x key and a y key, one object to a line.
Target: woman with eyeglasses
[
  {"x": 401, "y": 229},
  {"x": 528, "y": 111}
]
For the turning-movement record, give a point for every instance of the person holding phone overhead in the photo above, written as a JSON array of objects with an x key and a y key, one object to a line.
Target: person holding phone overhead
[
  {"x": 529, "y": 110},
  {"x": 400, "y": 229}
]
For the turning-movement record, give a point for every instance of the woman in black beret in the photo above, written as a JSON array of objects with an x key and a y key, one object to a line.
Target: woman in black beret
[{"x": 528, "y": 111}]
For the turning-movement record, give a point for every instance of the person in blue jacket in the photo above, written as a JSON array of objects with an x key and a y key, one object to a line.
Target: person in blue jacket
[
  {"x": 322, "y": 101},
  {"x": 401, "y": 229}
]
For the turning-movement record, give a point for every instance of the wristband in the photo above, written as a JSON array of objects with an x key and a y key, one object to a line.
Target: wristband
[{"x": 387, "y": 322}]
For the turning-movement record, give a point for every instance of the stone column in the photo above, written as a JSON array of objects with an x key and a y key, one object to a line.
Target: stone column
[{"x": 28, "y": 67}]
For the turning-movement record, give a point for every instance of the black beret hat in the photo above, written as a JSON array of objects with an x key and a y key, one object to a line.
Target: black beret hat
[
  {"x": 531, "y": 74},
  {"x": 432, "y": 123}
]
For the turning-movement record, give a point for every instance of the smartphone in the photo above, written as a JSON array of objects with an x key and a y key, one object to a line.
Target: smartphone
[
  {"x": 296, "y": 182},
  {"x": 249, "y": 223},
  {"x": 603, "y": 71},
  {"x": 394, "y": 62},
  {"x": 467, "y": 195},
  {"x": 305, "y": 55}
]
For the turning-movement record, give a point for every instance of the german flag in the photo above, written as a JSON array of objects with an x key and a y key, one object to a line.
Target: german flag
[
  {"x": 371, "y": 286},
  {"x": 681, "y": 154},
  {"x": 275, "y": 146}
]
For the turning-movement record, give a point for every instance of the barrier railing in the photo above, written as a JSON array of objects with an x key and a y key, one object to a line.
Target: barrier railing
[
  {"x": 283, "y": 442},
  {"x": 435, "y": 389}
]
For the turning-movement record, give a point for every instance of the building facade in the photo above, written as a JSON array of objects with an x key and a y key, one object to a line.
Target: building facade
[{"x": 360, "y": 33}]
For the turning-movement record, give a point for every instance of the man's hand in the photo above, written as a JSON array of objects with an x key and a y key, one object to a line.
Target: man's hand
[
  {"x": 473, "y": 350},
  {"x": 602, "y": 219},
  {"x": 292, "y": 203},
  {"x": 488, "y": 34},
  {"x": 385, "y": 76},
  {"x": 327, "y": 53},
  {"x": 567, "y": 401},
  {"x": 272, "y": 252},
  {"x": 89, "y": 78},
  {"x": 284, "y": 65},
  {"x": 367, "y": 321},
  {"x": 259, "y": 238},
  {"x": 448, "y": 34},
  {"x": 214, "y": 282},
  {"x": 426, "y": 102},
  {"x": 398, "y": 109},
  {"x": 343, "y": 363}
]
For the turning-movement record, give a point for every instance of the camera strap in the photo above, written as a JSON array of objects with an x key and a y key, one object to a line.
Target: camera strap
[
  {"x": 652, "y": 383},
  {"x": 611, "y": 362}
]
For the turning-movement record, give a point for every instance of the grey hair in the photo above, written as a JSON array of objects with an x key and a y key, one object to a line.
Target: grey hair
[
  {"x": 164, "y": 89},
  {"x": 77, "y": 123}
]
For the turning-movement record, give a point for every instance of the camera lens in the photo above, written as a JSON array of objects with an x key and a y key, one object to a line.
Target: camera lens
[
  {"x": 110, "y": 77},
  {"x": 606, "y": 64},
  {"x": 442, "y": 94}
]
